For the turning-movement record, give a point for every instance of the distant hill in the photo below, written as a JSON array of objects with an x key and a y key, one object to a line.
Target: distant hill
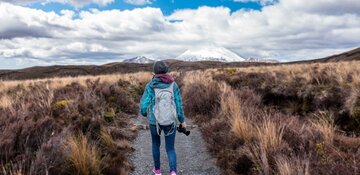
[
  {"x": 175, "y": 65},
  {"x": 119, "y": 67},
  {"x": 351, "y": 55},
  {"x": 262, "y": 60},
  {"x": 346, "y": 56}
]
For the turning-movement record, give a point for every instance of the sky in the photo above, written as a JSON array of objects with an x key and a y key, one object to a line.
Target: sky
[{"x": 63, "y": 32}]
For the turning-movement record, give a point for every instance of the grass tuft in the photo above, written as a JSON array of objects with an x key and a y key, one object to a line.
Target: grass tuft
[{"x": 84, "y": 157}]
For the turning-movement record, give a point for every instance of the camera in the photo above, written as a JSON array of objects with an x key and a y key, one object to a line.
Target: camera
[{"x": 183, "y": 130}]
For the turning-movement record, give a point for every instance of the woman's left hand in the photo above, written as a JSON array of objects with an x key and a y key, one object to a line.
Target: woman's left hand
[{"x": 183, "y": 125}]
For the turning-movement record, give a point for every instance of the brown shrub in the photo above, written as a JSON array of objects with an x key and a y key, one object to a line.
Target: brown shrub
[
  {"x": 201, "y": 99},
  {"x": 51, "y": 157},
  {"x": 35, "y": 124}
]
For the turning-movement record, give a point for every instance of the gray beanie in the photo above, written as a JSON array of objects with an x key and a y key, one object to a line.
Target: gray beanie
[{"x": 160, "y": 67}]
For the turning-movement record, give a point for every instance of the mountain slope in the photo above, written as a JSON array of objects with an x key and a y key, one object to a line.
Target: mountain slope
[
  {"x": 139, "y": 60},
  {"x": 346, "y": 56},
  {"x": 262, "y": 60},
  {"x": 352, "y": 55},
  {"x": 210, "y": 54}
]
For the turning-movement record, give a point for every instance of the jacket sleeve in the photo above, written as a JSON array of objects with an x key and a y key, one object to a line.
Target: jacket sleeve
[
  {"x": 145, "y": 101},
  {"x": 178, "y": 102}
]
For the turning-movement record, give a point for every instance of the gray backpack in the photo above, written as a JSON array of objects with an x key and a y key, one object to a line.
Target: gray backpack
[{"x": 165, "y": 108}]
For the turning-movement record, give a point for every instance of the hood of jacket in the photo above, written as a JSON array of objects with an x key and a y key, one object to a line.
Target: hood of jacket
[
  {"x": 166, "y": 78},
  {"x": 157, "y": 83}
]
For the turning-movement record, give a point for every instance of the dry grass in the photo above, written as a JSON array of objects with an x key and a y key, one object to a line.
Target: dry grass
[
  {"x": 57, "y": 83},
  {"x": 263, "y": 117},
  {"x": 12, "y": 169},
  {"x": 124, "y": 144},
  {"x": 6, "y": 101},
  {"x": 270, "y": 134},
  {"x": 257, "y": 154},
  {"x": 292, "y": 166},
  {"x": 107, "y": 140},
  {"x": 197, "y": 77},
  {"x": 342, "y": 72},
  {"x": 34, "y": 113},
  {"x": 325, "y": 125},
  {"x": 241, "y": 125},
  {"x": 84, "y": 156},
  {"x": 242, "y": 128},
  {"x": 340, "y": 69},
  {"x": 352, "y": 102},
  {"x": 243, "y": 113}
]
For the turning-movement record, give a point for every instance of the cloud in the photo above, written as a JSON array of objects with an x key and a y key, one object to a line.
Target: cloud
[
  {"x": 75, "y": 3},
  {"x": 286, "y": 31},
  {"x": 327, "y": 7},
  {"x": 262, "y": 2},
  {"x": 138, "y": 2}
]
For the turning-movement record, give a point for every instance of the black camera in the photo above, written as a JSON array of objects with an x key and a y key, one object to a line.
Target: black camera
[{"x": 183, "y": 130}]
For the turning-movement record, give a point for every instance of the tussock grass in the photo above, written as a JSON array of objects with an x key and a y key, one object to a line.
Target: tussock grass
[
  {"x": 107, "y": 140},
  {"x": 280, "y": 119},
  {"x": 294, "y": 166},
  {"x": 83, "y": 156},
  {"x": 325, "y": 125},
  {"x": 241, "y": 125},
  {"x": 243, "y": 128},
  {"x": 57, "y": 83},
  {"x": 269, "y": 134},
  {"x": 12, "y": 169},
  {"x": 257, "y": 154}
]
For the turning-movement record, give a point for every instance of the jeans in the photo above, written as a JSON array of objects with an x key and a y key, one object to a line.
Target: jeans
[{"x": 169, "y": 145}]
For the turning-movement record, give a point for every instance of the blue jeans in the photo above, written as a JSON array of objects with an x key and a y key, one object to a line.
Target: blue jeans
[{"x": 169, "y": 145}]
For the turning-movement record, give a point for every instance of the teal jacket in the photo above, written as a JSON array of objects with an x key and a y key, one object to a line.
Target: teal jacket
[{"x": 148, "y": 100}]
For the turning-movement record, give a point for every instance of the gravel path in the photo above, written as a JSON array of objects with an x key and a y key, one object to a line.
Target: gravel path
[{"x": 192, "y": 157}]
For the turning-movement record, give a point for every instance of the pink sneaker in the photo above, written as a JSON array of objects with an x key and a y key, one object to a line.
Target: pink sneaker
[
  {"x": 156, "y": 172},
  {"x": 172, "y": 173}
]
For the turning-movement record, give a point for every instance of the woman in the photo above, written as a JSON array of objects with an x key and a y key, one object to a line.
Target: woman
[{"x": 162, "y": 80}]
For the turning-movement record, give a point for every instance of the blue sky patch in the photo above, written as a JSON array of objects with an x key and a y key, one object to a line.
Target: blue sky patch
[{"x": 166, "y": 6}]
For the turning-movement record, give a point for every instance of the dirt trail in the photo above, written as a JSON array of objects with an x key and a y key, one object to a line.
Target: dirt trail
[{"x": 192, "y": 157}]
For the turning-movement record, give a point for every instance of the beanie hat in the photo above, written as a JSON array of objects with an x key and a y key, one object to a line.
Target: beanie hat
[{"x": 160, "y": 67}]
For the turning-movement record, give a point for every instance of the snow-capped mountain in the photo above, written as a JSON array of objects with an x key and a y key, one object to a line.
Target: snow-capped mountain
[
  {"x": 262, "y": 60},
  {"x": 139, "y": 60},
  {"x": 210, "y": 54}
]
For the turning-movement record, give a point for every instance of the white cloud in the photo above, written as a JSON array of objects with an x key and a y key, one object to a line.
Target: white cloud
[
  {"x": 75, "y": 3},
  {"x": 138, "y": 2},
  {"x": 262, "y": 2},
  {"x": 285, "y": 30}
]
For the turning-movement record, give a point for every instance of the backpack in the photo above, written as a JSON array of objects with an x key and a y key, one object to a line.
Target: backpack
[{"x": 165, "y": 108}]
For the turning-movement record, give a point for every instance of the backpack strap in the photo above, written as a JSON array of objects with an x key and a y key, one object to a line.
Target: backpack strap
[{"x": 173, "y": 129}]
